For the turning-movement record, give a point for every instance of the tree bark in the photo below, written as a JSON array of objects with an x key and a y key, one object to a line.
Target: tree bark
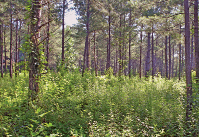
[
  {"x": 1, "y": 45},
  {"x": 34, "y": 56},
  {"x": 86, "y": 50},
  {"x": 140, "y": 72},
  {"x": 4, "y": 43},
  {"x": 169, "y": 57},
  {"x": 196, "y": 39},
  {"x": 48, "y": 36},
  {"x": 120, "y": 48},
  {"x": 147, "y": 64},
  {"x": 63, "y": 15},
  {"x": 109, "y": 43},
  {"x": 95, "y": 56},
  {"x": 166, "y": 60},
  {"x": 11, "y": 39},
  {"x": 152, "y": 55},
  {"x": 16, "y": 50},
  {"x": 187, "y": 62},
  {"x": 130, "y": 23}
]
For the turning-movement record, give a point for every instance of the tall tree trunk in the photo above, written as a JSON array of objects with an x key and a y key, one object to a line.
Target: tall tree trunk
[
  {"x": 152, "y": 55},
  {"x": 95, "y": 56},
  {"x": 196, "y": 40},
  {"x": 130, "y": 23},
  {"x": 48, "y": 36},
  {"x": 1, "y": 45},
  {"x": 11, "y": 39},
  {"x": 86, "y": 50},
  {"x": 187, "y": 62},
  {"x": 172, "y": 68},
  {"x": 34, "y": 56},
  {"x": 180, "y": 62},
  {"x": 147, "y": 64},
  {"x": 140, "y": 71},
  {"x": 166, "y": 60},
  {"x": 16, "y": 50},
  {"x": 109, "y": 43},
  {"x": 4, "y": 43},
  {"x": 162, "y": 63},
  {"x": 180, "y": 65},
  {"x": 169, "y": 57},
  {"x": 192, "y": 56},
  {"x": 63, "y": 15},
  {"x": 120, "y": 48}
]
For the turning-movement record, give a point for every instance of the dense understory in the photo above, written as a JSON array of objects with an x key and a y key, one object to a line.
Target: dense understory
[{"x": 72, "y": 105}]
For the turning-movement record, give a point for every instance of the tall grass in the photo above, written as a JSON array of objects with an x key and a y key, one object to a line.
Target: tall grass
[{"x": 71, "y": 105}]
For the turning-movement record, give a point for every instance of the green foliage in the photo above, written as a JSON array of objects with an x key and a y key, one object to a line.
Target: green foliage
[{"x": 72, "y": 105}]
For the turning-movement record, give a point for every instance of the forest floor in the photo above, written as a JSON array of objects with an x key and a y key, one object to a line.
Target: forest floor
[{"x": 71, "y": 105}]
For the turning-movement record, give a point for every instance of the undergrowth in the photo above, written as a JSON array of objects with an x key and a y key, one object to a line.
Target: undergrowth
[{"x": 71, "y": 105}]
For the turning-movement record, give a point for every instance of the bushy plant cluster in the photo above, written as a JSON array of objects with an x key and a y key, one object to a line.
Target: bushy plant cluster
[{"x": 72, "y": 105}]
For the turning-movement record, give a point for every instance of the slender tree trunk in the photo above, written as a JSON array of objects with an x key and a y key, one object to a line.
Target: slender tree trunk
[
  {"x": 86, "y": 52},
  {"x": 169, "y": 57},
  {"x": 120, "y": 48},
  {"x": 48, "y": 36},
  {"x": 11, "y": 40},
  {"x": 162, "y": 63},
  {"x": 147, "y": 64},
  {"x": 187, "y": 63},
  {"x": 34, "y": 56},
  {"x": 152, "y": 55},
  {"x": 172, "y": 62},
  {"x": 166, "y": 60},
  {"x": 196, "y": 39},
  {"x": 95, "y": 56},
  {"x": 192, "y": 57},
  {"x": 4, "y": 43},
  {"x": 130, "y": 44},
  {"x": 180, "y": 53},
  {"x": 180, "y": 65},
  {"x": 141, "y": 55},
  {"x": 109, "y": 43},
  {"x": 16, "y": 50},
  {"x": 1, "y": 45},
  {"x": 63, "y": 15}
]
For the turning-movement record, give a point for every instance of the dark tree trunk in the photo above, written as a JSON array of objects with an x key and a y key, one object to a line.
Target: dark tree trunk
[
  {"x": 166, "y": 60},
  {"x": 48, "y": 36},
  {"x": 120, "y": 48},
  {"x": 109, "y": 43},
  {"x": 147, "y": 63},
  {"x": 180, "y": 62},
  {"x": 63, "y": 14},
  {"x": 162, "y": 63},
  {"x": 169, "y": 57},
  {"x": 1, "y": 45},
  {"x": 196, "y": 40},
  {"x": 86, "y": 50},
  {"x": 192, "y": 57},
  {"x": 95, "y": 56},
  {"x": 34, "y": 56},
  {"x": 11, "y": 40},
  {"x": 140, "y": 71},
  {"x": 4, "y": 43},
  {"x": 187, "y": 62},
  {"x": 172, "y": 62},
  {"x": 130, "y": 44},
  {"x": 152, "y": 55},
  {"x": 16, "y": 50},
  {"x": 180, "y": 65},
  {"x": 88, "y": 54}
]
